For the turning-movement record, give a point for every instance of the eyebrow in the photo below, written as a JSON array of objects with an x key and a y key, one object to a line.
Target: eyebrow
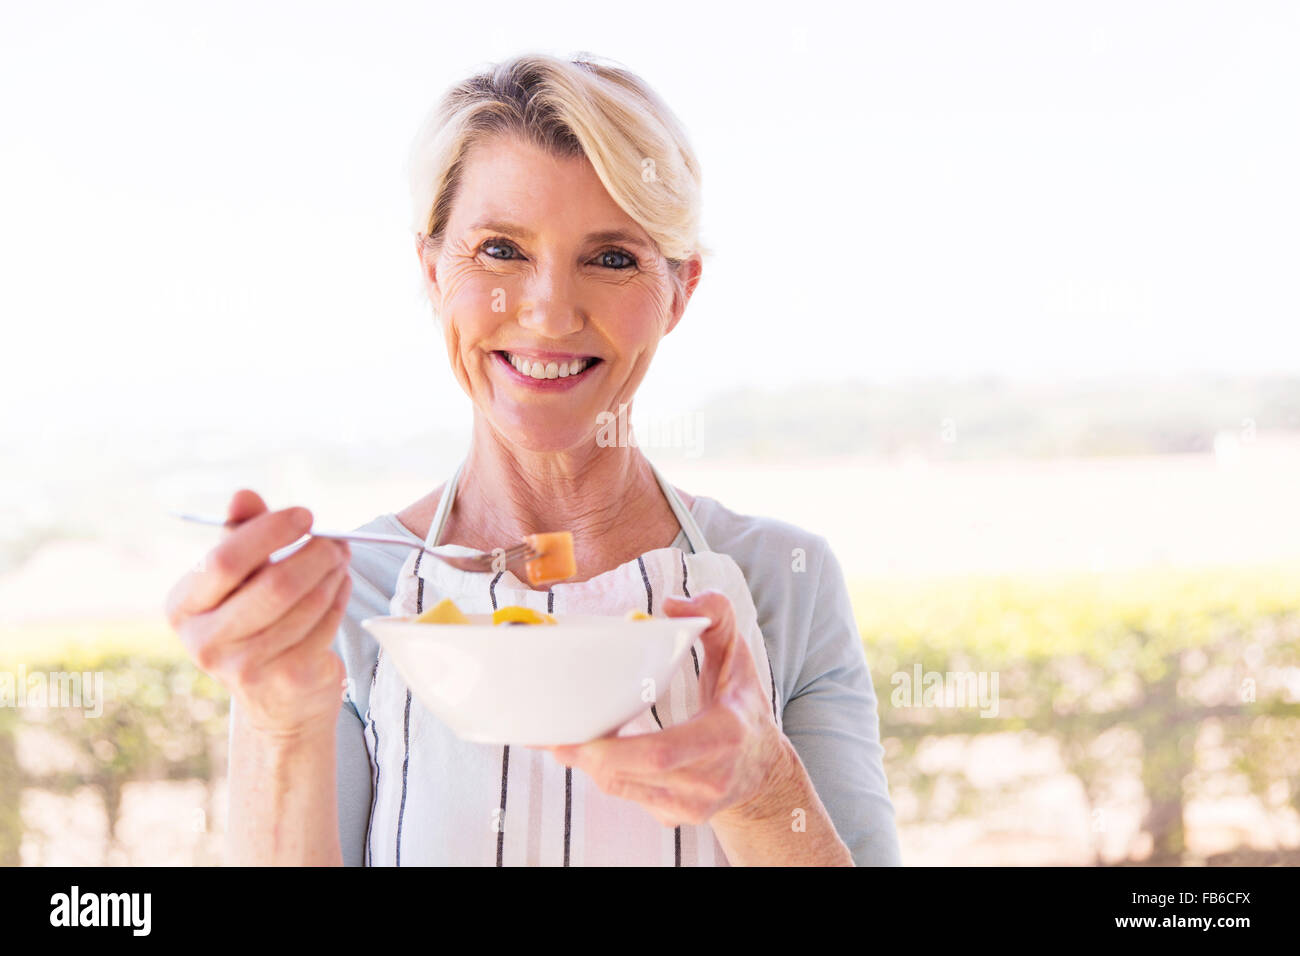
[{"x": 606, "y": 235}]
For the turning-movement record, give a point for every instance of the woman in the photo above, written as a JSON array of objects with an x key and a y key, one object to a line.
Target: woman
[{"x": 556, "y": 222}]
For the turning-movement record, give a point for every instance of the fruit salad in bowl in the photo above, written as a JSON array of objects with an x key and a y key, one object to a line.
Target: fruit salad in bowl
[{"x": 525, "y": 677}]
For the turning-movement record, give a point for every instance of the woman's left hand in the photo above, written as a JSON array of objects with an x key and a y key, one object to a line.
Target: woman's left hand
[{"x": 729, "y": 759}]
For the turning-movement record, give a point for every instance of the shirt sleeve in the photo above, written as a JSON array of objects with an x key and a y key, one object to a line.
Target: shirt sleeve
[
  {"x": 831, "y": 719},
  {"x": 353, "y": 773}
]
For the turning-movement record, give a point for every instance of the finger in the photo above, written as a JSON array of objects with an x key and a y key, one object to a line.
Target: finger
[
  {"x": 700, "y": 739},
  {"x": 567, "y": 754},
  {"x": 687, "y": 792},
  {"x": 244, "y": 504},
  {"x": 325, "y": 630},
  {"x": 311, "y": 660},
  {"x": 242, "y": 551},
  {"x": 313, "y": 653},
  {"x": 718, "y": 640},
  {"x": 712, "y": 604},
  {"x": 296, "y": 626},
  {"x": 269, "y": 593},
  {"x": 669, "y": 805},
  {"x": 659, "y": 801},
  {"x": 309, "y": 666},
  {"x": 188, "y": 595}
]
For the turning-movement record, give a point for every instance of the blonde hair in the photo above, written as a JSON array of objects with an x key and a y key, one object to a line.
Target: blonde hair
[{"x": 576, "y": 107}]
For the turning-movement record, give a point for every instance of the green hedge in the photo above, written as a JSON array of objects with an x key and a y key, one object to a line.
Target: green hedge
[
  {"x": 161, "y": 719},
  {"x": 1160, "y": 655}
]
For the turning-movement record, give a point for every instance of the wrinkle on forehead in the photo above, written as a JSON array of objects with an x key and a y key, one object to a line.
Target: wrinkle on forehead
[{"x": 507, "y": 179}]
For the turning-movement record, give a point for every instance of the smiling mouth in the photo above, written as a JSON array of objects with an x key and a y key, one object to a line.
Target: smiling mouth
[{"x": 550, "y": 368}]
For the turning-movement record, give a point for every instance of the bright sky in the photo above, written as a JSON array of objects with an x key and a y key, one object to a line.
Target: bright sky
[{"x": 205, "y": 210}]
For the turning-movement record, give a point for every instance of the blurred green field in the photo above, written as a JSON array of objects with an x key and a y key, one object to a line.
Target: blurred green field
[
  {"x": 1000, "y": 615},
  {"x": 1004, "y": 617},
  {"x": 84, "y": 643}
]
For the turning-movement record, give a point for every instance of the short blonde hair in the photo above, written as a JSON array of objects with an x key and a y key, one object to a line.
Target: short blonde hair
[{"x": 576, "y": 107}]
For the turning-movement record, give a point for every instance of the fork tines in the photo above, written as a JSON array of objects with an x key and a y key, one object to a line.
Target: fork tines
[{"x": 524, "y": 551}]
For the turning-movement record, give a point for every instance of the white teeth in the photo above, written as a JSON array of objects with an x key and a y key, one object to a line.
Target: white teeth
[{"x": 537, "y": 369}]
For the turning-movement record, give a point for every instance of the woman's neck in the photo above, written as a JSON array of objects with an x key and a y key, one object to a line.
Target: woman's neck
[{"x": 608, "y": 497}]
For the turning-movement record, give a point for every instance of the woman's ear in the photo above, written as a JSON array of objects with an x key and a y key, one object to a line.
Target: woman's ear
[
  {"x": 428, "y": 257},
  {"x": 684, "y": 278},
  {"x": 428, "y": 261}
]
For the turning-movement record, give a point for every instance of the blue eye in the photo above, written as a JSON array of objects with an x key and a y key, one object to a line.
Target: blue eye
[
  {"x": 505, "y": 251},
  {"x": 616, "y": 254},
  {"x": 498, "y": 244}
]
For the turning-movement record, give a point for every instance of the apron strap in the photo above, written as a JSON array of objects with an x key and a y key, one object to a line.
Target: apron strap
[
  {"x": 444, "y": 509},
  {"x": 694, "y": 536}
]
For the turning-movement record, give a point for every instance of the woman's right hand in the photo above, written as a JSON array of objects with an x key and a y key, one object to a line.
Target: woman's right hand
[{"x": 265, "y": 630}]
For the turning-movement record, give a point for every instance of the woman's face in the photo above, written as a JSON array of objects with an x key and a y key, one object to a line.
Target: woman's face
[{"x": 540, "y": 269}]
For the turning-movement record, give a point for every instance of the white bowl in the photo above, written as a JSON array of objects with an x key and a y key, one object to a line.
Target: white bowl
[{"x": 536, "y": 685}]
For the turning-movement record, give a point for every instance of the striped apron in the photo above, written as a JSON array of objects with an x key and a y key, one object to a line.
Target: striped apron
[{"x": 439, "y": 800}]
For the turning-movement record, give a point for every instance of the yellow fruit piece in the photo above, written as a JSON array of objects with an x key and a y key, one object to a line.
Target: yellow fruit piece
[
  {"x": 444, "y": 612},
  {"x": 554, "y": 561},
  {"x": 514, "y": 614},
  {"x": 638, "y": 616}
]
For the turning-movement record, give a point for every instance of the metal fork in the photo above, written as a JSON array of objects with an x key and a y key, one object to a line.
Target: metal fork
[{"x": 480, "y": 561}]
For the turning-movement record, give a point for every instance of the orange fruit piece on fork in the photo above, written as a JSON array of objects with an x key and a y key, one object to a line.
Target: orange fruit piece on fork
[{"x": 554, "y": 560}]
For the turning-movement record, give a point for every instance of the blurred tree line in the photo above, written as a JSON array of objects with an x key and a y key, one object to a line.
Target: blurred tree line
[{"x": 990, "y": 417}]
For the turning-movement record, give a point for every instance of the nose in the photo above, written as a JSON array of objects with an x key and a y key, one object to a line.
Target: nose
[{"x": 550, "y": 304}]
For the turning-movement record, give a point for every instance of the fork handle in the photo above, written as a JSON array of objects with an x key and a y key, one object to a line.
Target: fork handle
[
  {"x": 372, "y": 539},
  {"x": 519, "y": 550},
  {"x": 336, "y": 535}
]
